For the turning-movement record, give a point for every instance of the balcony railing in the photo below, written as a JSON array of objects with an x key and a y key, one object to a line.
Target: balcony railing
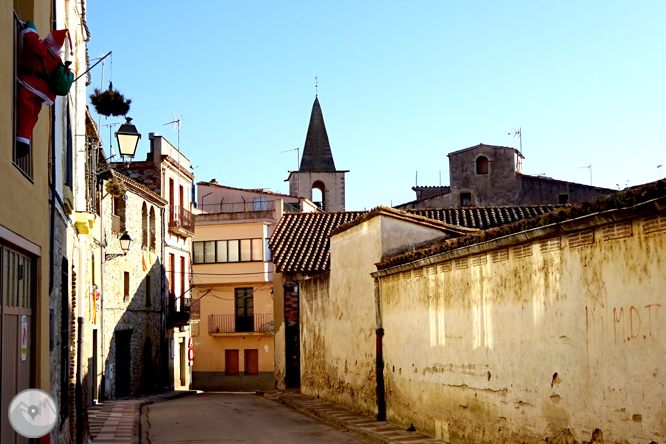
[
  {"x": 179, "y": 314},
  {"x": 291, "y": 208},
  {"x": 260, "y": 322},
  {"x": 180, "y": 219},
  {"x": 239, "y": 207}
]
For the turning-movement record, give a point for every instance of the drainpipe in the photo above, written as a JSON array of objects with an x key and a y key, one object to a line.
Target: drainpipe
[
  {"x": 102, "y": 393},
  {"x": 379, "y": 334}
]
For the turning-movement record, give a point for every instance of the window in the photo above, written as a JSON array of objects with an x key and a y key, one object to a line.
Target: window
[
  {"x": 563, "y": 199},
  {"x": 231, "y": 362},
  {"x": 148, "y": 291},
  {"x": 245, "y": 250},
  {"x": 482, "y": 165},
  {"x": 232, "y": 250},
  {"x": 118, "y": 215},
  {"x": 21, "y": 157},
  {"x": 152, "y": 227},
  {"x": 260, "y": 203},
  {"x": 69, "y": 151},
  {"x": 252, "y": 362},
  {"x": 183, "y": 278},
  {"x": 267, "y": 252},
  {"x": 244, "y": 309},
  {"x": 126, "y": 286},
  {"x": 465, "y": 199},
  {"x": 144, "y": 225}
]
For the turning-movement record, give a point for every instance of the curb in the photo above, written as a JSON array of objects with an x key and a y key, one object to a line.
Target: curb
[
  {"x": 360, "y": 425},
  {"x": 137, "y": 429}
]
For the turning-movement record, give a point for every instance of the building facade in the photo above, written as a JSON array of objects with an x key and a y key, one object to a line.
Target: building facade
[
  {"x": 487, "y": 175},
  {"x": 233, "y": 286},
  {"x": 167, "y": 172}
]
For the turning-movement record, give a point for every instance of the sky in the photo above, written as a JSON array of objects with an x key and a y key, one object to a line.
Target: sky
[{"x": 401, "y": 84}]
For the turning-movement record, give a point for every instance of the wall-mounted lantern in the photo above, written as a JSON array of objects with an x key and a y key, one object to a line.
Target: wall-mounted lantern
[{"x": 125, "y": 245}]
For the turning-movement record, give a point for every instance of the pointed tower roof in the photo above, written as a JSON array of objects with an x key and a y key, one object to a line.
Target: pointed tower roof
[{"x": 317, "y": 154}]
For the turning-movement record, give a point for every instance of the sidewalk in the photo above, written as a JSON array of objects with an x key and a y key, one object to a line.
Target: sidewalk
[
  {"x": 364, "y": 426},
  {"x": 118, "y": 421}
]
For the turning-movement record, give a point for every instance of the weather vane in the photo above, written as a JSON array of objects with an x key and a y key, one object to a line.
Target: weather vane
[{"x": 316, "y": 86}]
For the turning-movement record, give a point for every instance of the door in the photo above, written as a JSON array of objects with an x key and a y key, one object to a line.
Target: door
[
  {"x": 123, "y": 363},
  {"x": 244, "y": 309},
  {"x": 16, "y": 344},
  {"x": 93, "y": 366},
  {"x": 183, "y": 361}
]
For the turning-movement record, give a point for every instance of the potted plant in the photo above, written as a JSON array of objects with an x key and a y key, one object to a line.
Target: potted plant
[{"x": 110, "y": 102}]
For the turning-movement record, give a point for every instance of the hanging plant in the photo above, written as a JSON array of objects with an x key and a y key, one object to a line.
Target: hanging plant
[
  {"x": 110, "y": 102},
  {"x": 115, "y": 187}
]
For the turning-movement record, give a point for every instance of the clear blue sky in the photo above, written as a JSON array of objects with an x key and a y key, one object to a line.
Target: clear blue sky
[{"x": 401, "y": 84}]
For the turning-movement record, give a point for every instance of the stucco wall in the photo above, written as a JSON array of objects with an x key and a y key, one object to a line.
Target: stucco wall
[
  {"x": 337, "y": 312},
  {"x": 551, "y": 339}
]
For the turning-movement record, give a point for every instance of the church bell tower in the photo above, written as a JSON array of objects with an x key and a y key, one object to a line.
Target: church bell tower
[{"x": 317, "y": 174}]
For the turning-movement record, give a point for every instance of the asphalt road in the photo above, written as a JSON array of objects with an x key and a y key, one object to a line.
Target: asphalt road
[{"x": 233, "y": 418}]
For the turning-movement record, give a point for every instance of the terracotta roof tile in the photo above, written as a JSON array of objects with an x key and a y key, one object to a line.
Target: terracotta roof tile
[
  {"x": 300, "y": 242},
  {"x": 625, "y": 199}
]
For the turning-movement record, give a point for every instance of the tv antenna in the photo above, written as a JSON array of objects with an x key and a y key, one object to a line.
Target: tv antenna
[
  {"x": 658, "y": 172},
  {"x": 589, "y": 167},
  {"x": 111, "y": 125},
  {"x": 177, "y": 123},
  {"x": 518, "y": 132}
]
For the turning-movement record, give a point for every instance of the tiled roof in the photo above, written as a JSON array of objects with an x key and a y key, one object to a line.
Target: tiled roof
[
  {"x": 621, "y": 200},
  {"x": 300, "y": 241},
  {"x": 484, "y": 217}
]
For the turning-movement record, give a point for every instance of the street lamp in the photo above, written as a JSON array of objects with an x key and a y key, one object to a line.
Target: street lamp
[
  {"x": 125, "y": 244},
  {"x": 128, "y": 138}
]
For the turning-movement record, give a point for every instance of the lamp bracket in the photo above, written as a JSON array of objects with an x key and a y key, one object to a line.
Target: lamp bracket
[{"x": 112, "y": 256}]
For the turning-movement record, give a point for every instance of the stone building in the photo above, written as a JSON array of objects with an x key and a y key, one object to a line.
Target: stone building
[
  {"x": 487, "y": 175},
  {"x": 131, "y": 314},
  {"x": 317, "y": 179},
  {"x": 166, "y": 171}
]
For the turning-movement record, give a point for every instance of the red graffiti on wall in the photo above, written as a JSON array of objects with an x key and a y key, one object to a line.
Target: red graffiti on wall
[{"x": 639, "y": 326}]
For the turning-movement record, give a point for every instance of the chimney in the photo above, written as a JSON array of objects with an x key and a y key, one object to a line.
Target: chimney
[
  {"x": 151, "y": 154},
  {"x": 213, "y": 181}
]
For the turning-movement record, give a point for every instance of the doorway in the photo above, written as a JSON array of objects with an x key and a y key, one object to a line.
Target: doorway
[{"x": 123, "y": 363}]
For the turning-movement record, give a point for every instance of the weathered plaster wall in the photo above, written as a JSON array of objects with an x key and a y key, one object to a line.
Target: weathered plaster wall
[
  {"x": 337, "y": 310},
  {"x": 546, "y": 340}
]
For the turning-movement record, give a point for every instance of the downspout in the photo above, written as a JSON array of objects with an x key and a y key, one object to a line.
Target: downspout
[
  {"x": 379, "y": 333},
  {"x": 102, "y": 344}
]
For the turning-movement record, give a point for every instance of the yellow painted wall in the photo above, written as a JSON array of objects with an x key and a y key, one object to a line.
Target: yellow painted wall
[
  {"x": 30, "y": 222},
  {"x": 554, "y": 344}
]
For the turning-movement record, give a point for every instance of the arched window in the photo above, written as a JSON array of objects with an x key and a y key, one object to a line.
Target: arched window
[
  {"x": 319, "y": 194},
  {"x": 152, "y": 228},
  {"x": 144, "y": 225},
  {"x": 482, "y": 165}
]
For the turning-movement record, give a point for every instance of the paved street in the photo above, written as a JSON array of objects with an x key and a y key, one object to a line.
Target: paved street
[{"x": 233, "y": 418}]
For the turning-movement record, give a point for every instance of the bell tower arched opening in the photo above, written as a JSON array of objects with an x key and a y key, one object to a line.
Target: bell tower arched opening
[{"x": 319, "y": 194}]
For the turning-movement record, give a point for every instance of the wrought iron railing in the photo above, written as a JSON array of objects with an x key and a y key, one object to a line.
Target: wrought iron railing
[
  {"x": 290, "y": 207},
  {"x": 179, "y": 217},
  {"x": 260, "y": 322},
  {"x": 239, "y": 207}
]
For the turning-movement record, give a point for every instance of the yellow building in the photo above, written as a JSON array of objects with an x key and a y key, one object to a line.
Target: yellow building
[
  {"x": 232, "y": 276},
  {"x": 45, "y": 218}
]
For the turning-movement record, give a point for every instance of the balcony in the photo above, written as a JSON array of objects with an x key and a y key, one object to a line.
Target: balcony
[
  {"x": 181, "y": 221},
  {"x": 240, "y": 207},
  {"x": 181, "y": 314},
  {"x": 261, "y": 323}
]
